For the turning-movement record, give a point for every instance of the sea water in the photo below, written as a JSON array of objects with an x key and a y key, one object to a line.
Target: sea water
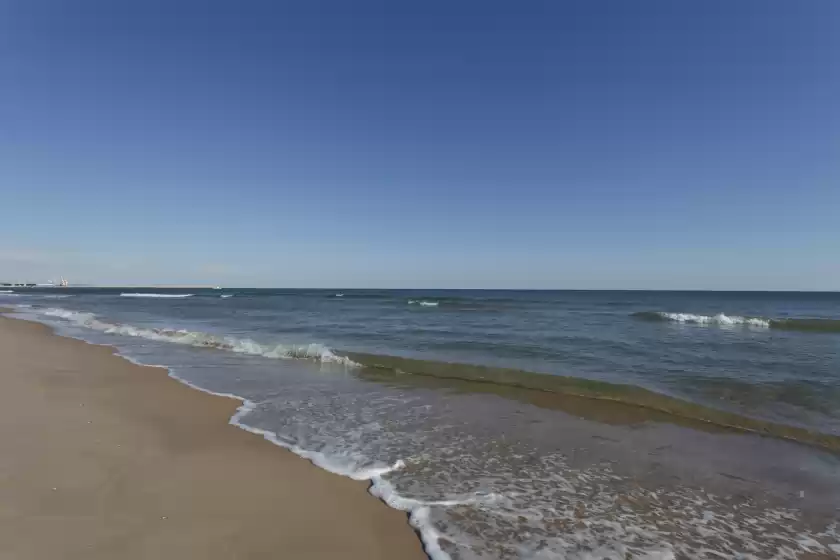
[{"x": 523, "y": 424}]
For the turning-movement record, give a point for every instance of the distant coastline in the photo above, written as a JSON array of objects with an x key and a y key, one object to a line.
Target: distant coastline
[{"x": 113, "y": 287}]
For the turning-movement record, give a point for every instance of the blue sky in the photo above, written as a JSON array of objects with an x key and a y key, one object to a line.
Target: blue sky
[{"x": 590, "y": 144}]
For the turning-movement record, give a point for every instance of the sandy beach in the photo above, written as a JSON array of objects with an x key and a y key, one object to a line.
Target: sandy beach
[{"x": 105, "y": 459}]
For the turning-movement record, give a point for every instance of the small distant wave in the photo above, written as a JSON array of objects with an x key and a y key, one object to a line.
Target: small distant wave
[
  {"x": 155, "y": 295},
  {"x": 423, "y": 303},
  {"x": 339, "y": 295},
  {"x": 37, "y": 295},
  {"x": 794, "y": 324},
  {"x": 225, "y": 296},
  {"x": 314, "y": 352}
]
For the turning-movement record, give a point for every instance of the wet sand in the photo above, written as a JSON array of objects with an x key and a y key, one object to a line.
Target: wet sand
[{"x": 104, "y": 459}]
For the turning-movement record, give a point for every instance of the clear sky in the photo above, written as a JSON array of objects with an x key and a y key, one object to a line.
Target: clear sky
[{"x": 544, "y": 144}]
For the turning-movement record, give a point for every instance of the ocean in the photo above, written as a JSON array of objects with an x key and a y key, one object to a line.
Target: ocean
[{"x": 523, "y": 424}]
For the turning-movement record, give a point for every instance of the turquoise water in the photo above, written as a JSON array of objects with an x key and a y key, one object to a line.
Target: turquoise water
[{"x": 493, "y": 469}]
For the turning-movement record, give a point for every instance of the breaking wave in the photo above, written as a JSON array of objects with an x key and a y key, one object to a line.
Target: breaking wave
[
  {"x": 423, "y": 303},
  {"x": 719, "y": 319},
  {"x": 794, "y": 324},
  {"x": 125, "y": 294},
  {"x": 315, "y": 352}
]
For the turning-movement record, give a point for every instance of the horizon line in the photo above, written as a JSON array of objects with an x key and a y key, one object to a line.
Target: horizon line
[{"x": 219, "y": 287}]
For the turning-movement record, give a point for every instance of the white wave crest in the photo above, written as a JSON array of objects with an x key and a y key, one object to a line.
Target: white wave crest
[
  {"x": 7, "y": 291},
  {"x": 423, "y": 303},
  {"x": 125, "y": 294},
  {"x": 719, "y": 319},
  {"x": 77, "y": 316},
  {"x": 225, "y": 296},
  {"x": 315, "y": 352}
]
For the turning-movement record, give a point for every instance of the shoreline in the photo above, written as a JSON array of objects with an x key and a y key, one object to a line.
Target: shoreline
[
  {"x": 600, "y": 400},
  {"x": 183, "y": 481}
]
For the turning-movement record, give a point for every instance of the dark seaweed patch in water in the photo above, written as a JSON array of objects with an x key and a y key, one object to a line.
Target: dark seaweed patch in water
[{"x": 651, "y": 406}]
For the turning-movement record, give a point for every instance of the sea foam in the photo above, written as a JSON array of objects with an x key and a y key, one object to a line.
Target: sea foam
[
  {"x": 314, "y": 351},
  {"x": 140, "y": 295},
  {"x": 418, "y": 510}
]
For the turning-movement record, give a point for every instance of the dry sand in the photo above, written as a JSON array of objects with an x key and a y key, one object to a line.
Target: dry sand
[{"x": 103, "y": 459}]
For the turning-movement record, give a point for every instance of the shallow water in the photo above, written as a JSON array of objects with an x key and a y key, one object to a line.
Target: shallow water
[{"x": 492, "y": 472}]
